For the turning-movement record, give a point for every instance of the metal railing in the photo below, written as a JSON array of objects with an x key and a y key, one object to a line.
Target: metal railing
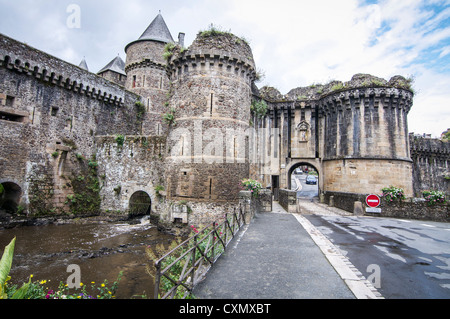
[{"x": 183, "y": 267}]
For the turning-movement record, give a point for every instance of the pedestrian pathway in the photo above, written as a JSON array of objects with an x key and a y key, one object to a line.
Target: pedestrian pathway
[{"x": 283, "y": 256}]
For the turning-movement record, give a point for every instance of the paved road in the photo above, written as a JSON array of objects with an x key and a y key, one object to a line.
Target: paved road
[
  {"x": 305, "y": 190},
  {"x": 413, "y": 256}
]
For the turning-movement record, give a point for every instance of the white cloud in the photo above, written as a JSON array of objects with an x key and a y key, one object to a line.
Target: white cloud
[{"x": 444, "y": 51}]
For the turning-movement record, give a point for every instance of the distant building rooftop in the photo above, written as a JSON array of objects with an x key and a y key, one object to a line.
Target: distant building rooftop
[
  {"x": 116, "y": 65},
  {"x": 83, "y": 65}
]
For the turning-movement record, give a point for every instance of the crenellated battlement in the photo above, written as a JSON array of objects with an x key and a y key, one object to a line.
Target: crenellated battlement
[
  {"x": 214, "y": 51},
  {"x": 362, "y": 91},
  {"x": 422, "y": 147},
  {"x": 23, "y": 59},
  {"x": 366, "y": 97},
  {"x": 229, "y": 65},
  {"x": 431, "y": 158},
  {"x": 146, "y": 63}
]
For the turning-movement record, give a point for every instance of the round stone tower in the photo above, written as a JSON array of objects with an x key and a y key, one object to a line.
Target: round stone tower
[
  {"x": 365, "y": 135},
  {"x": 210, "y": 99},
  {"x": 146, "y": 73}
]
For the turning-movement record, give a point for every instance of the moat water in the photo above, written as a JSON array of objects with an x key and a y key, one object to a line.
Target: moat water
[{"x": 101, "y": 250}]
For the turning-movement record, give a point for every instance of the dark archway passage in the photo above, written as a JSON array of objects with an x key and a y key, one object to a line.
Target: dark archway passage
[
  {"x": 140, "y": 204},
  {"x": 10, "y": 197}
]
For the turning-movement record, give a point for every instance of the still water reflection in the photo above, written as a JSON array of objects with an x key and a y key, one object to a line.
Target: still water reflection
[{"x": 101, "y": 250}]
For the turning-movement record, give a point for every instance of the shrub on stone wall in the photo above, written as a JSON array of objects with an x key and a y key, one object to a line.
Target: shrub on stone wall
[
  {"x": 434, "y": 197},
  {"x": 259, "y": 108},
  {"x": 251, "y": 185},
  {"x": 393, "y": 193}
]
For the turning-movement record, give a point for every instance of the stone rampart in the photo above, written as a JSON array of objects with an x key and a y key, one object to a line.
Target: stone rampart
[
  {"x": 431, "y": 162},
  {"x": 134, "y": 164},
  {"x": 23, "y": 59},
  {"x": 50, "y": 113}
]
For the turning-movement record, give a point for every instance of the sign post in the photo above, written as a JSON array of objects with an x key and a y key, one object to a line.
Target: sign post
[{"x": 373, "y": 201}]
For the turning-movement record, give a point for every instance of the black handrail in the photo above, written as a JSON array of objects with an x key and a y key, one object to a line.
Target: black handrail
[{"x": 183, "y": 267}]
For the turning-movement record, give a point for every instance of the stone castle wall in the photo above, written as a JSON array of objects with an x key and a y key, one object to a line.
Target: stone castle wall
[
  {"x": 211, "y": 96},
  {"x": 352, "y": 133},
  {"x": 431, "y": 164},
  {"x": 136, "y": 165},
  {"x": 147, "y": 77},
  {"x": 366, "y": 144},
  {"x": 51, "y": 112}
]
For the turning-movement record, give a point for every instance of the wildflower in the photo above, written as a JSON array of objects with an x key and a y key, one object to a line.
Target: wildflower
[
  {"x": 43, "y": 282},
  {"x": 103, "y": 285},
  {"x": 194, "y": 229}
]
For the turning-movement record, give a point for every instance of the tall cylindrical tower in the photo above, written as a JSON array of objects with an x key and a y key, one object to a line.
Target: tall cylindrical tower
[
  {"x": 210, "y": 98},
  {"x": 146, "y": 73},
  {"x": 365, "y": 135}
]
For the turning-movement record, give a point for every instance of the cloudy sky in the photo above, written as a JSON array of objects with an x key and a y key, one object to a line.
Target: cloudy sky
[{"x": 295, "y": 42}]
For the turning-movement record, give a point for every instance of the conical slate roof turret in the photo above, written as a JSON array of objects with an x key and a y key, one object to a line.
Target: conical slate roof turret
[
  {"x": 156, "y": 31},
  {"x": 83, "y": 65},
  {"x": 116, "y": 65}
]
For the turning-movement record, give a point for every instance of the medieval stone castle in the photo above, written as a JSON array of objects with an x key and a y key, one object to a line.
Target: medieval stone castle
[{"x": 181, "y": 127}]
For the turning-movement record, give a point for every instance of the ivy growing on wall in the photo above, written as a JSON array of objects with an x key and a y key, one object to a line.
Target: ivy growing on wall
[
  {"x": 40, "y": 192},
  {"x": 259, "y": 108},
  {"x": 169, "y": 117},
  {"x": 86, "y": 189}
]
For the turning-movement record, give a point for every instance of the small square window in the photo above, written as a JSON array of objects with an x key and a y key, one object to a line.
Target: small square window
[
  {"x": 9, "y": 101},
  {"x": 54, "y": 111}
]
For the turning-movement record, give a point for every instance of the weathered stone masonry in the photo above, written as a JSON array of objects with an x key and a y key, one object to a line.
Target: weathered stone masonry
[
  {"x": 352, "y": 133},
  {"x": 51, "y": 112},
  {"x": 75, "y": 142},
  {"x": 431, "y": 164}
]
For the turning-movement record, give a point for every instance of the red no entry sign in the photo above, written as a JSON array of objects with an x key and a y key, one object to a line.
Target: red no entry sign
[{"x": 373, "y": 201}]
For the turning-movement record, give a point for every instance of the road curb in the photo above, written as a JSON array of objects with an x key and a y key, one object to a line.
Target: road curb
[{"x": 353, "y": 278}]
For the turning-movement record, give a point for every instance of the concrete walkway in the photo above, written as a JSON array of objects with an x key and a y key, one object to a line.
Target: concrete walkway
[{"x": 283, "y": 256}]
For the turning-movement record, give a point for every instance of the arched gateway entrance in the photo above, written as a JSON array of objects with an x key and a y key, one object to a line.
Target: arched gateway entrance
[
  {"x": 140, "y": 204},
  {"x": 303, "y": 177},
  {"x": 10, "y": 194}
]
